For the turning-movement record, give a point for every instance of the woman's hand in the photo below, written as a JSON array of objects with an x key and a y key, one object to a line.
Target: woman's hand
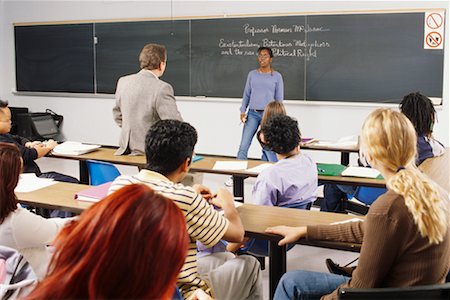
[
  {"x": 289, "y": 234},
  {"x": 243, "y": 117}
]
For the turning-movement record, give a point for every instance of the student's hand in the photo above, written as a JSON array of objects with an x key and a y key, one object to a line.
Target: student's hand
[
  {"x": 32, "y": 144},
  {"x": 223, "y": 199},
  {"x": 289, "y": 234},
  {"x": 203, "y": 190},
  {"x": 199, "y": 294},
  {"x": 51, "y": 144},
  {"x": 243, "y": 117}
]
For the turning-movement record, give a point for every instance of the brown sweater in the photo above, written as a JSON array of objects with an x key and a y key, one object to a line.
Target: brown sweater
[{"x": 393, "y": 254}]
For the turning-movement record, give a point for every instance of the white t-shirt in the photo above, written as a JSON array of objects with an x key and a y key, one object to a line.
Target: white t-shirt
[{"x": 30, "y": 234}]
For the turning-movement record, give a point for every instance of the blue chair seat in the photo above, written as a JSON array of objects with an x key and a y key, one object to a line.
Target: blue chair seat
[{"x": 101, "y": 172}]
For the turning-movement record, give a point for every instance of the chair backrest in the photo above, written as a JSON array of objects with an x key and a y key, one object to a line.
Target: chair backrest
[
  {"x": 438, "y": 291},
  {"x": 101, "y": 172}
]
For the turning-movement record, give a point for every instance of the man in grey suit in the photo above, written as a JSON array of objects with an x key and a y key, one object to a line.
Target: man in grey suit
[{"x": 142, "y": 99}]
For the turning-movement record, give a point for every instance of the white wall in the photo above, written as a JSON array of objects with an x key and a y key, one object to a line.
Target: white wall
[{"x": 90, "y": 120}]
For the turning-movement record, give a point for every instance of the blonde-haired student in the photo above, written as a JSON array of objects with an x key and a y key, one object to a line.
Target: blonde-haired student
[{"x": 405, "y": 237}]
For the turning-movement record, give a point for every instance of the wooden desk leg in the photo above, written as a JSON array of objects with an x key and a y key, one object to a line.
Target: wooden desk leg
[
  {"x": 238, "y": 188},
  {"x": 345, "y": 158},
  {"x": 84, "y": 173},
  {"x": 277, "y": 265}
]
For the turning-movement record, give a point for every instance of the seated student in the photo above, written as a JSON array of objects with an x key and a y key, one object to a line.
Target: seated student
[
  {"x": 29, "y": 150},
  {"x": 405, "y": 236},
  {"x": 274, "y": 108},
  {"x": 420, "y": 111},
  {"x": 291, "y": 182},
  {"x": 130, "y": 245},
  {"x": 19, "y": 228},
  {"x": 169, "y": 149}
]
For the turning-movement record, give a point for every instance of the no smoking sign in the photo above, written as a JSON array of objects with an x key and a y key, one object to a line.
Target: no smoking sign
[{"x": 434, "y": 30}]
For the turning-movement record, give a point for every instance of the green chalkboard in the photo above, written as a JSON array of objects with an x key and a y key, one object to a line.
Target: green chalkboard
[{"x": 343, "y": 57}]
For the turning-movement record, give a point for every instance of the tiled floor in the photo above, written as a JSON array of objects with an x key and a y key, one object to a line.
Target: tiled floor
[{"x": 300, "y": 257}]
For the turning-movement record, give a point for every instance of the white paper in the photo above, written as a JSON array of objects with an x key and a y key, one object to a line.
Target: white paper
[
  {"x": 230, "y": 165},
  {"x": 74, "y": 148},
  {"x": 361, "y": 172},
  {"x": 344, "y": 142},
  {"x": 347, "y": 221},
  {"x": 236, "y": 204},
  {"x": 29, "y": 182},
  {"x": 259, "y": 168}
]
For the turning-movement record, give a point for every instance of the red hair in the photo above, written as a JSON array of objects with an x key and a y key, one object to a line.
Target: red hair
[
  {"x": 10, "y": 167},
  {"x": 132, "y": 244}
]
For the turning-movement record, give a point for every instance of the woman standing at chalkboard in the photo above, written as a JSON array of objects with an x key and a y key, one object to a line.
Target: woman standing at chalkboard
[{"x": 263, "y": 86}]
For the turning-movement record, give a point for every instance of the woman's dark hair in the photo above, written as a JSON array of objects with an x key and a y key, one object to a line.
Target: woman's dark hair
[
  {"x": 167, "y": 145},
  {"x": 10, "y": 168},
  {"x": 281, "y": 134},
  {"x": 420, "y": 111},
  {"x": 3, "y": 103},
  {"x": 266, "y": 48},
  {"x": 130, "y": 245}
]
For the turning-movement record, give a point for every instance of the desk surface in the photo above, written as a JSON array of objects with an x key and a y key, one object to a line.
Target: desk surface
[{"x": 206, "y": 165}]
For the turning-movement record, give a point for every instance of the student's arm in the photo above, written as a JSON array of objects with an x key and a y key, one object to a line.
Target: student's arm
[
  {"x": 43, "y": 148},
  {"x": 166, "y": 105},
  {"x": 117, "y": 113},
  {"x": 30, "y": 230},
  {"x": 235, "y": 230}
]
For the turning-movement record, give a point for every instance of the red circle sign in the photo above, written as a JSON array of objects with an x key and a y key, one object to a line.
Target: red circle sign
[
  {"x": 434, "y": 21},
  {"x": 433, "y": 39}
]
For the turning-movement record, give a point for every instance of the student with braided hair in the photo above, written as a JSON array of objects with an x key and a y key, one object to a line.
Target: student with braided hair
[{"x": 405, "y": 237}]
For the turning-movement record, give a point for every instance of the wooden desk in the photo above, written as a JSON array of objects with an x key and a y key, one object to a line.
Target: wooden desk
[
  {"x": 255, "y": 219},
  {"x": 204, "y": 165}
]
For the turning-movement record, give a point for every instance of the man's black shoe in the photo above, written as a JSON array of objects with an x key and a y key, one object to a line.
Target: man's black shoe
[{"x": 336, "y": 269}]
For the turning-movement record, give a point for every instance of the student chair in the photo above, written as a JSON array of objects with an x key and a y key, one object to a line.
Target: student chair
[
  {"x": 101, "y": 172},
  {"x": 438, "y": 291}
]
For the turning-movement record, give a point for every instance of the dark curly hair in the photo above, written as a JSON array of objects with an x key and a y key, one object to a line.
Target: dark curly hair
[
  {"x": 420, "y": 111},
  {"x": 167, "y": 145},
  {"x": 282, "y": 134}
]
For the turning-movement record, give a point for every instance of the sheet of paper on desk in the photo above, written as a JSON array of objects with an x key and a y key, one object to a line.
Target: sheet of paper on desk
[
  {"x": 259, "y": 168},
  {"x": 28, "y": 182},
  {"x": 236, "y": 204},
  {"x": 347, "y": 221},
  {"x": 230, "y": 165},
  {"x": 344, "y": 142},
  {"x": 360, "y": 172},
  {"x": 74, "y": 148}
]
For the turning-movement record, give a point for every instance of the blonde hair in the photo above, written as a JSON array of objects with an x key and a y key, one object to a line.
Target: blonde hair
[
  {"x": 274, "y": 108},
  {"x": 390, "y": 140}
]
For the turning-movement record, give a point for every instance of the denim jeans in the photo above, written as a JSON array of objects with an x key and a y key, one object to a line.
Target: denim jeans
[
  {"x": 268, "y": 155},
  {"x": 333, "y": 193},
  {"x": 307, "y": 285},
  {"x": 250, "y": 128}
]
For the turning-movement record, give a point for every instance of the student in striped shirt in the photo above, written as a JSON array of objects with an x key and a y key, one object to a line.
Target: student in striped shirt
[{"x": 169, "y": 149}]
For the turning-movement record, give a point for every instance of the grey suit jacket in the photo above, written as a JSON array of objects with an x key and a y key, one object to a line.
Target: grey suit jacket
[{"x": 141, "y": 100}]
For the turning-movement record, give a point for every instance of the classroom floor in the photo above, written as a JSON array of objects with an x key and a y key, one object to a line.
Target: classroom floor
[{"x": 300, "y": 257}]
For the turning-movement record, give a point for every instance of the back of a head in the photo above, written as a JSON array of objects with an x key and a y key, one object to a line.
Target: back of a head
[
  {"x": 3, "y": 103},
  {"x": 167, "y": 145},
  {"x": 389, "y": 139},
  {"x": 151, "y": 56},
  {"x": 420, "y": 111},
  {"x": 274, "y": 108},
  {"x": 10, "y": 168},
  {"x": 130, "y": 245},
  {"x": 281, "y": 134}
]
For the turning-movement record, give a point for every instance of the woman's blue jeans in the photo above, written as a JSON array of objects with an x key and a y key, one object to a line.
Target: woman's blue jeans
[
  {"x": 307, "y": 285},
  {"x": 249, "y": 131}
]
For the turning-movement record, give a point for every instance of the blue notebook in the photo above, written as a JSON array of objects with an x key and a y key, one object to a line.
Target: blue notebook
[{"x": 196, "y": 158}]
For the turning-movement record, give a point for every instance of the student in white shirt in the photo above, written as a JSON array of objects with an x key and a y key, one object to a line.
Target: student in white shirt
[{"x": 19, "y": 228}]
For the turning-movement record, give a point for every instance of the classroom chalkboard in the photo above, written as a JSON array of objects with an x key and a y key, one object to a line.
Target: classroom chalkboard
[{"x": 363, "y": 57}]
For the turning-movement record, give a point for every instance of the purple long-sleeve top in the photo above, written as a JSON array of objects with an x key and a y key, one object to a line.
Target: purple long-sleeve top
[{"x": 262, "y": 88}]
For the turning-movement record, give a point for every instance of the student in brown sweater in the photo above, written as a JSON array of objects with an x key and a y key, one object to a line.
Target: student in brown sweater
[{"x": 405, "y": 237}]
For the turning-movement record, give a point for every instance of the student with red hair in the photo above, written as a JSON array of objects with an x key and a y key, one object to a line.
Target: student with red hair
[{"x": 130, "y": 245}]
